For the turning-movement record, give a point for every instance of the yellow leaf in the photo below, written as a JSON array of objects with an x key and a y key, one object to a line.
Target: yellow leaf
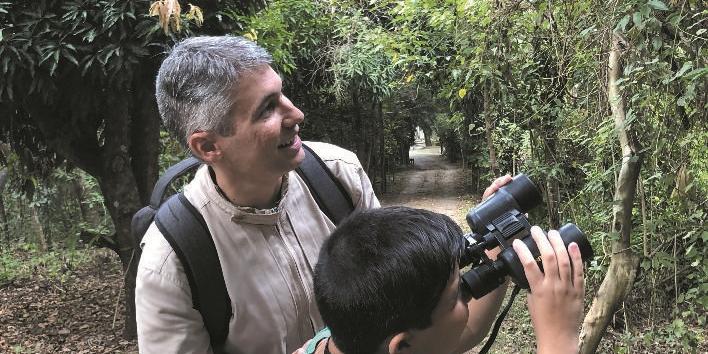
[
  {"x": 195, "y": 13},
  {"x": 409, "y": 78},
  {"x": 251, "y": 34},
  {"x": 462, "y": 93}
]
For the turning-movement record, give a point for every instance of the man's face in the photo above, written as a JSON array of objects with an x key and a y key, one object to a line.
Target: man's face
[
  {"x": 265, "y": 142},
  {"x": 449, "y": 319}
]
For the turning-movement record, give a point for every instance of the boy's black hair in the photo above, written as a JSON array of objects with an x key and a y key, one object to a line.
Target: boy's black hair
[{"x": 382, "y": 272}]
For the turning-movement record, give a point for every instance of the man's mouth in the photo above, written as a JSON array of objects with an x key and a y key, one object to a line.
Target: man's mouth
[{"x": 288, "y": 143}]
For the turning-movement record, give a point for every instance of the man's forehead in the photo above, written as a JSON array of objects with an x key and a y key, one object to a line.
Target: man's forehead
[
  {"x": 260, "y": 72},
  {"x": 257, "y": 82}
]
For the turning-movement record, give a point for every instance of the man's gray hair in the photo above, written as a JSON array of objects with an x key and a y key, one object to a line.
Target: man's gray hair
[{"x": 195, "y": 84}]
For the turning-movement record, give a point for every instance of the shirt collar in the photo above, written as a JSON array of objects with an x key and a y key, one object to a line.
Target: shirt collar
[{"x": 251, "y": 215}]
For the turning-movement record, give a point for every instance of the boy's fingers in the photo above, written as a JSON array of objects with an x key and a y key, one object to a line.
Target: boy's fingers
[
  {"x": 533, "y": 274},
  {"x": 564, "y": 270},
  {"x": 498, "y": 183},
  {"x": 578, "y": 273},
  {"x": 548, "y": 256}
]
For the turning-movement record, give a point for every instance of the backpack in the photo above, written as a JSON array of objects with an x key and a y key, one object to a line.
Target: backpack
[{"x": 186, "y": 231}]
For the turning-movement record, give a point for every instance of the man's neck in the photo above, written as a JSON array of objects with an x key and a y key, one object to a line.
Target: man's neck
[{"x": 260, "y": 193}]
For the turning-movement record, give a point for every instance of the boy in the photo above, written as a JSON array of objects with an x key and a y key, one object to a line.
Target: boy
[{"x": 388, "y": 281}]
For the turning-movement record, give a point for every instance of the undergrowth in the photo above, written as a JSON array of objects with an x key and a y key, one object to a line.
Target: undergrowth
[{"x": 26, "y": 261}]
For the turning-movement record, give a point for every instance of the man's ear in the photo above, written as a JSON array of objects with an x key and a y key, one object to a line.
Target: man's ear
[
  {"x": 204, "y": 147},
  {"x": 399, "y": 344}
]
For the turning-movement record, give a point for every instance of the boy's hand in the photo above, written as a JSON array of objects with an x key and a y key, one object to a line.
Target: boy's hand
[
  {"x": 556, "y": 297},
  {"x": 498, "y": 183}
]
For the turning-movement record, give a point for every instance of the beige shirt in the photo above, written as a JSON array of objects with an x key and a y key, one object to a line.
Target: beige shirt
[{"x": 267, "y": 257}]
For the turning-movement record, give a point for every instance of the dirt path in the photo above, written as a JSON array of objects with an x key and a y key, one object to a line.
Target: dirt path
[{"x": 432, "y": 183}]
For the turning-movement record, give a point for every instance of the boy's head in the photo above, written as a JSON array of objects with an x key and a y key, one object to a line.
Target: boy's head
[{"x": 387, "y": 281}]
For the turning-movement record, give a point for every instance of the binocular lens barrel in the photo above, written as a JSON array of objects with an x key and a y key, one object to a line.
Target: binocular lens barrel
[
  {"x": 569, "y": 233},
  {"x": 487, "y": 277},
  {"x": 520, "y": 194}
]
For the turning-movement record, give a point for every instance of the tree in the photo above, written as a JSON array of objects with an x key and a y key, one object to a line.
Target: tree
[
  {"x": 78, "y": 85},
  {"x": 623, "y": 266}
]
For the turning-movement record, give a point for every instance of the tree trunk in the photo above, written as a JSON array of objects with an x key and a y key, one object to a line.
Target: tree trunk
[
  {"x": 37, "y": 230},
  {"x": 552, "y": 201},
  {"x": 125, "y": 164},
  {"x": 360, "y": 135},
  {"x": 382, "y": 144},
  {"x": 3, "y": 215},
  {"x": 623, "y": 264},
  {"x": 428, "y": 136},
  {"x": 489, "y": 132},
  {"x": 88, "y": 214},
  {"x": 121, "y": 196}
]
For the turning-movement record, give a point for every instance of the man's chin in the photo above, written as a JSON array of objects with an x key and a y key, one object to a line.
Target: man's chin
[{"x": 299, "y": 158}]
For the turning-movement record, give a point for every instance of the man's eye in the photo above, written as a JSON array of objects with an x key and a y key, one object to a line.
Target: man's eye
[{"x": 268, "y": 109}]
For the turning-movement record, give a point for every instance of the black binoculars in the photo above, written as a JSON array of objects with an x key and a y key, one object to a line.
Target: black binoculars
[{"x": 496, "y": 222}]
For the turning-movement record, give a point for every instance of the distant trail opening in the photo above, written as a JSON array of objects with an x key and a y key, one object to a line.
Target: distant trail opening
[{"x": 432, "y": 183}]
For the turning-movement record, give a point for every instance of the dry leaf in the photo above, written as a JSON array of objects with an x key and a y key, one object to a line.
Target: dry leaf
[
  {"x": 195, "y": 13},
  {"x": 169, "y": 14}
]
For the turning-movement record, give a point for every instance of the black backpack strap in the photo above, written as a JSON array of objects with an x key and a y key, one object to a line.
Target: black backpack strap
[
  {"x": 175, "y": 171},
  {"x": 330, "y": 195},
  {"x": 185, "y": 229}
]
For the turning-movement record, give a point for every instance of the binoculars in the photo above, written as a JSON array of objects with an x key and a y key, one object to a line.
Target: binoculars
[{"x": 496, "y": 222}]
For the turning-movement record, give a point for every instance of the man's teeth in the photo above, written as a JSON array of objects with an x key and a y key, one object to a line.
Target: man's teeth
[{"x": 286, "y": 144}]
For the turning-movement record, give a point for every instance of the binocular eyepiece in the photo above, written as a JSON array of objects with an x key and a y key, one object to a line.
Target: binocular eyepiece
[{"x": 496, "y": 222}]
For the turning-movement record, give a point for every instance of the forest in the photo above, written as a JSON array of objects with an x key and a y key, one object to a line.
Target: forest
[{"x": 602, "y": 103}]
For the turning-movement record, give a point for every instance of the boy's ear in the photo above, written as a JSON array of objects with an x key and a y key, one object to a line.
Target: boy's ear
[
  {"x": 203, "y": 146},
  {"x": 399, "y": 344}
]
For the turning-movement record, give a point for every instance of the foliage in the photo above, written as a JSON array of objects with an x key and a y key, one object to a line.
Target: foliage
[
  {"x": 523, "y": 79},
  {"x": 25, "y": 260}
]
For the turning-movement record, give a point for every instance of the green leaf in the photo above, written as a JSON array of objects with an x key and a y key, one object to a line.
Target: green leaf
[
  {"x": 70, "y": 57},
  {"x": 658, "y": 5},
  {"x": 586, "y": 31},
  {"x": 686, "y": 66},
  {"x": 656, "y": 42},
  {"x": 622, "y": 25},
  {"x": 637, "y": 19}
]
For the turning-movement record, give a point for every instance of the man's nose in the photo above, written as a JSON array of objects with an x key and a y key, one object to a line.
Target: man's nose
[{"x": 293, "y": 115}]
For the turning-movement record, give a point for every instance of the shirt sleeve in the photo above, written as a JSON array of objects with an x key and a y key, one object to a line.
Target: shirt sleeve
[
  {"x": 367, "y": 198},
  {"x": 345, "y": 165},
  {"x": 166, "y": 320}
]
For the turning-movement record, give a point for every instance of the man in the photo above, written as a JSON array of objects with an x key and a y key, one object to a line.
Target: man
[{"x": 221, "y": 98}]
